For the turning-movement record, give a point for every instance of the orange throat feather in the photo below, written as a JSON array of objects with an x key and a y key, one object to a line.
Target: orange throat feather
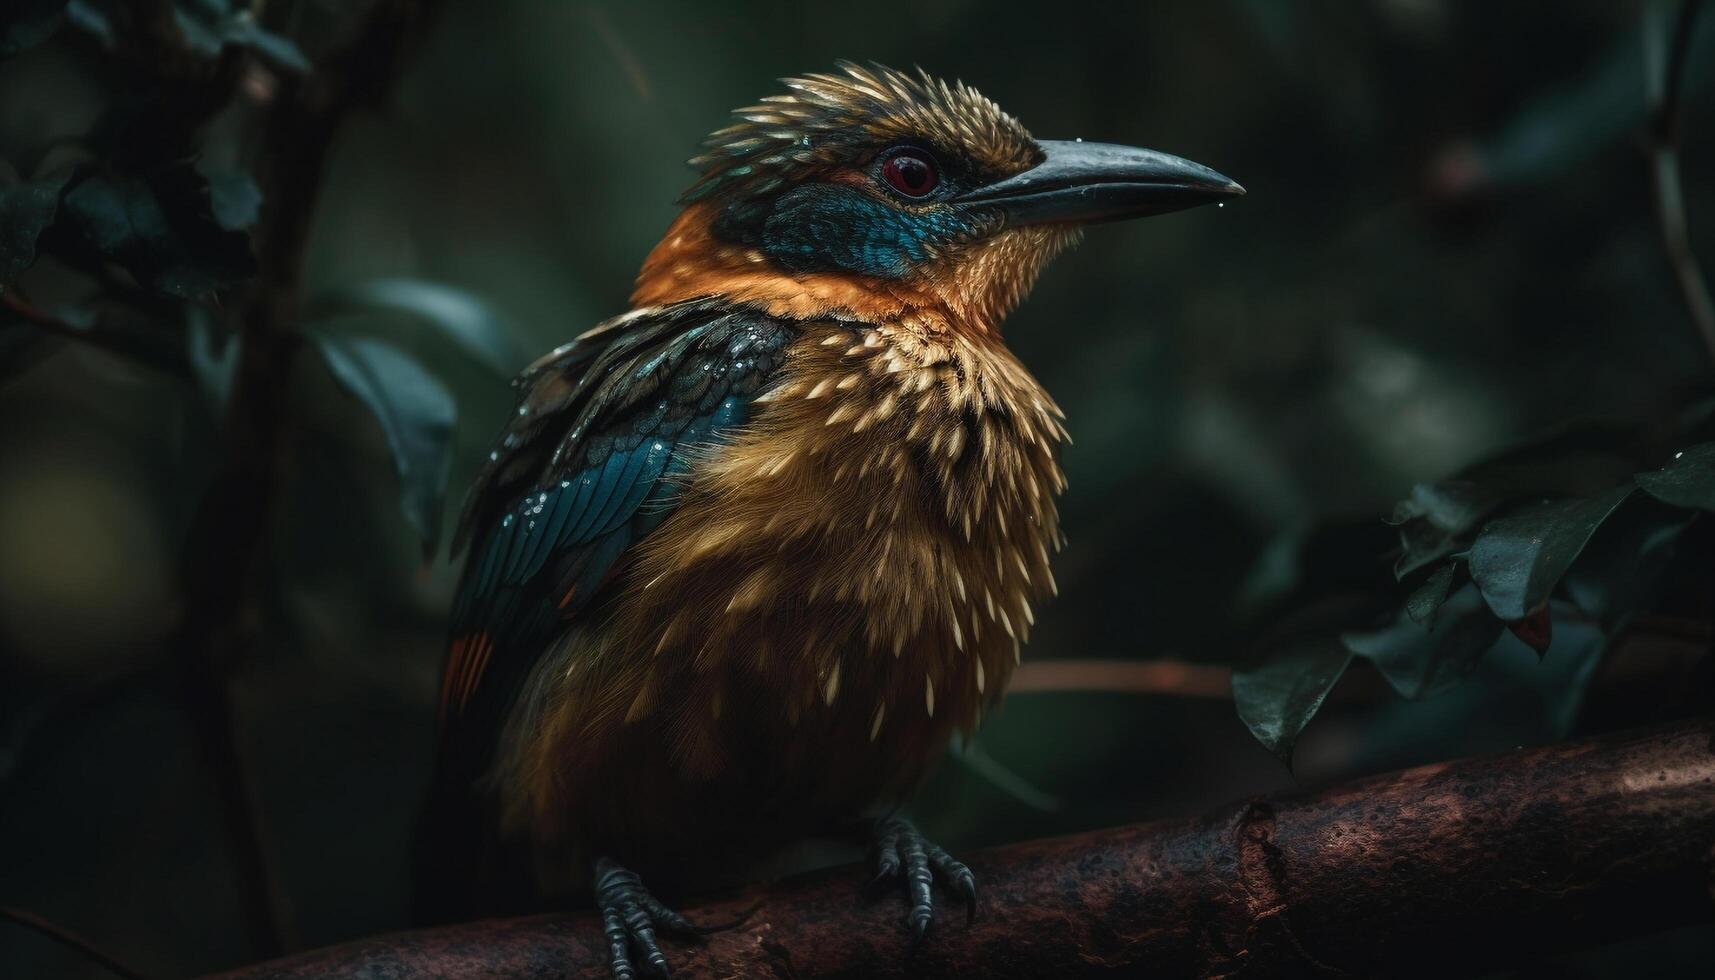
[{"x": 970, "y": 292}]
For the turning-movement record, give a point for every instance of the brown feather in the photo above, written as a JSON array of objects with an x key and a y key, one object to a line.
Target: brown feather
[{"x": 770, "y": 550}]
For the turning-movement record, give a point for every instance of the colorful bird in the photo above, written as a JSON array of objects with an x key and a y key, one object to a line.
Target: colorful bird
[{"x": 747, "y": 557}]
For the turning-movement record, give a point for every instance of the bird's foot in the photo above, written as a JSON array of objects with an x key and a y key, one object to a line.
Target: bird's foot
[
  {"x": 630, "y": 917},
  {"x": 904, "y": 854}
]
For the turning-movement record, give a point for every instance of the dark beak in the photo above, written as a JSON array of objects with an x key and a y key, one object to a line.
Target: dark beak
[{"x": 1082, "y": 183}]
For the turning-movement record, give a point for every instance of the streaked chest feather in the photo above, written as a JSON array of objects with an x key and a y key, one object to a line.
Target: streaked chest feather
[{"x": 857, "y": 564}]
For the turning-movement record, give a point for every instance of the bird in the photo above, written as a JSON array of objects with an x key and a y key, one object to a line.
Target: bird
[{"x": 746, "y": 558}]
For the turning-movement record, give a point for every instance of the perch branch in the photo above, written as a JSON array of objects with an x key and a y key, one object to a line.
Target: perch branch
[{"x": 1522, "y": 854}]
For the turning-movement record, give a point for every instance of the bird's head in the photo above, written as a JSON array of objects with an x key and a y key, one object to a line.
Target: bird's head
[{"x": 876, "y": 194}]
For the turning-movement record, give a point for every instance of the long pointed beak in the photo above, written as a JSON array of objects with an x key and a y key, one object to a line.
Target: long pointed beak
[{"x": 1090, "y": 182}]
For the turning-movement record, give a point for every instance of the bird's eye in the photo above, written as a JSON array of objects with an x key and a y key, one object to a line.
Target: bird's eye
[{"x": 911, "y": 174}]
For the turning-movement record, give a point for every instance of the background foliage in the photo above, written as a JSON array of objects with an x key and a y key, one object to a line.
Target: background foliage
[{"x": 1445, "y": 299}]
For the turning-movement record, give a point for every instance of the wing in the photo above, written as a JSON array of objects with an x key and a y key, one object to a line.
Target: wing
[{"x": 585, "y": 468}]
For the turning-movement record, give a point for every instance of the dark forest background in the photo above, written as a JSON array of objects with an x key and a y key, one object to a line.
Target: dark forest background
[{"x": 1451, "y": 246}]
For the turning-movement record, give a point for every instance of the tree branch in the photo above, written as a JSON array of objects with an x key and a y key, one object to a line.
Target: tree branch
[
  {"x": 1528, "y": 853},
  {"x": 226, "y": 543}
]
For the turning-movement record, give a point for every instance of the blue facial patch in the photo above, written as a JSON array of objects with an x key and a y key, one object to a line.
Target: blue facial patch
[{"x": 830, "y": 227}]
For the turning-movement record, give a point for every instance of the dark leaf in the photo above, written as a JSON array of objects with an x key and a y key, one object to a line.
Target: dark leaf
[
  {"x": 161, "y": 229},
  {"x": 1687, "y": 481},
  {"x": 1435, "y": 521},
  {"x": 416, "y": 413},
  {"x": 1621, "y": 568},
  {"x": 1427, "y": 598},
  {"x": 27, "y": 23},
  {"x": 1576, "y": 460},
  {"x": 1520, "y": 557},
  {"x": 210, "y": 26},
  {"x": 1420, "y": 663},
  {"x": 234, "y": 200},
  {"x": 462, "y": 317},
  {"x": 1277, "y": 697},
  {"x": 26, "y": 210},
  {"x": 1535, "y": 631}
]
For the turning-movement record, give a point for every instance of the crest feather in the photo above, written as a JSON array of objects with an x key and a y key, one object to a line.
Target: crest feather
[{"x": 824, "y": 118}]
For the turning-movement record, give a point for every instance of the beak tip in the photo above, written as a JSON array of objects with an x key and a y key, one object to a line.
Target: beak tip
[{"x": 1233, "y": 189}]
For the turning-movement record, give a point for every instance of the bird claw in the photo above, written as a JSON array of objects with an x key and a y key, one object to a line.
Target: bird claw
[
  {"x": 630, "y": 917},
  {"x": 904, "y": 854}
]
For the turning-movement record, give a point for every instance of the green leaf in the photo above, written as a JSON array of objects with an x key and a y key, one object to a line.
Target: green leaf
[
  {"x": 462, "y": 317},
  {"x": 416, "y": 414},
  {"x": 1427, "y": 598},
  {"x": 1420, "y": 662},
  {"x": 1434, "y": 521},
  {"x": 161, "y": 228},
  {"x": 26, "y": 210},
  {"x": 1277, "y": 697},
  {"x": 1687, "y": 481},
  {"x": 1520, "y": 557},
  {"x": 27, "y": 23},
  {"x": 1580, "y": 459}
]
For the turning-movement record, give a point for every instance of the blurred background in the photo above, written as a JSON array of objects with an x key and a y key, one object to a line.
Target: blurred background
[{"x": 1450, "y": 243}]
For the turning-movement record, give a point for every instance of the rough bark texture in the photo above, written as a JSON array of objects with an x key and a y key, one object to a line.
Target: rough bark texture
[{"x": 1465, "y": 864}]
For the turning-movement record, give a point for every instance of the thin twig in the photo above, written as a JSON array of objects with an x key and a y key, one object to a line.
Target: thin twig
[
  {"x": 71, "y": 940},
  {"x": 1174, "y": 678},
  {"x": 1669, "y": 191}
]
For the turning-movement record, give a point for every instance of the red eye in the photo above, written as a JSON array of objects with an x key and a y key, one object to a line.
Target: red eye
[{"x": 910, "y": 174}]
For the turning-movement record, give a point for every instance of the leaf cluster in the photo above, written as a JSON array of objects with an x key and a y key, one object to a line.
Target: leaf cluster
[
  {"x": 124, "y": 237},
  {"x": 1582, "y": 523}
]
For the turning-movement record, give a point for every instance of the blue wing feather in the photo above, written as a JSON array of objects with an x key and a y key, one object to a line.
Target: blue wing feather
[
  {"x": 648, "y": 475},
  {"x": 586, "y": 468},
  {"x": 606, "y": 483},
  {"x": 635, "y": 464}
]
